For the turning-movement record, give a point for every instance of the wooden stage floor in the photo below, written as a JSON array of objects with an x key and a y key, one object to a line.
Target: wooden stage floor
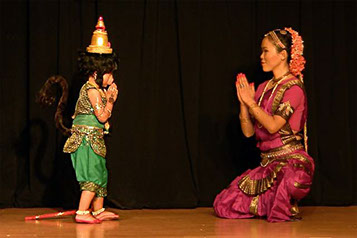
[{"x": 317, "y": 222}]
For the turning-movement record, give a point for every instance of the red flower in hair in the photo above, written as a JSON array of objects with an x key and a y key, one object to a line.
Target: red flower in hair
[{"x": 297, "y": 62}]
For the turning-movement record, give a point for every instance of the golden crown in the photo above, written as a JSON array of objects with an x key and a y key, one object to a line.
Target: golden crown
[{"x": 100, "y": 43}]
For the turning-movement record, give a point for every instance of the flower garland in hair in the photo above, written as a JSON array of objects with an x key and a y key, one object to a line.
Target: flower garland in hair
[
  {"x": 296, "y": 65},
  {"x": 297, "y": 62}
]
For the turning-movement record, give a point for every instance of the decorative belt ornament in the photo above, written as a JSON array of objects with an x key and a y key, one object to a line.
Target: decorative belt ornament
[{"x": 274, "y": 154}]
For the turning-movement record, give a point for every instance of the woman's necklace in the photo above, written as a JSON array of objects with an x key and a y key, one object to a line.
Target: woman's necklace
[
  {"x": 275, "y": 80},
  {"x": 275, "y": 85}
]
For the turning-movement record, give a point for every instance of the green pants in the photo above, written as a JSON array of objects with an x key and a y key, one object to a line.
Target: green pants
[{"x": 90, "y": 168}]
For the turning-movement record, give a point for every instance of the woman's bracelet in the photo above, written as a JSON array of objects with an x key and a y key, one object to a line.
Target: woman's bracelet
[
  {"x": 244, "y": 120},
  {"x": 252, "y": 106}
]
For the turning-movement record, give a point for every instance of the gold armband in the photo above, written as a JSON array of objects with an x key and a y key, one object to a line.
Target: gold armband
[{"x": 98, "y": 106}]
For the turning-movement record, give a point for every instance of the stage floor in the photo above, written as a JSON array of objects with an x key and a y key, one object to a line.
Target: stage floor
[{"x": 317, "y": 222}]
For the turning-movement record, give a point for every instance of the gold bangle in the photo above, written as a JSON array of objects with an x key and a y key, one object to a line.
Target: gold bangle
[
  {"x": 244, "y": 120},
  {"x": 253, "y": 105},
  {"x": 110, "y": 112}
]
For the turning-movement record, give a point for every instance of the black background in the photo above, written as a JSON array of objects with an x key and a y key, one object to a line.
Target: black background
[{"x": 176, "y": 140}]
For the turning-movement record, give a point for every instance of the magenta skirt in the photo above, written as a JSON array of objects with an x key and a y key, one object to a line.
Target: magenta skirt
[{"x": 271, "y": 191}]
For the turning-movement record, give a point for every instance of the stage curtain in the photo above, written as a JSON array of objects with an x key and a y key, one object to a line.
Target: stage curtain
[{"x": 175, "y": 140}]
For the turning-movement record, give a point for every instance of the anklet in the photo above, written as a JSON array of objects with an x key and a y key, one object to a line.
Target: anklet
[
  {"x": 78, "y": 212},
  {"x": 98, "y": 211}
]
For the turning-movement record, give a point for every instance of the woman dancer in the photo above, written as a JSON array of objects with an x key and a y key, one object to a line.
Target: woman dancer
[{"x": 277, "y": 115}]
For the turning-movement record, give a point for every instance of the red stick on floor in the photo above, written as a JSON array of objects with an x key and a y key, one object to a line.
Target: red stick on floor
[{"x": 51, "y": 215}]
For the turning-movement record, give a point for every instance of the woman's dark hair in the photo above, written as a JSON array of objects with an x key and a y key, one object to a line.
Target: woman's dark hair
[
  {"x": 88, "y": 63},
  {"x": 285, "y": 38}
]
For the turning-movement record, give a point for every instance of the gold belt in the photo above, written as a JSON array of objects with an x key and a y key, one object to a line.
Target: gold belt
[
  {"x": 276, "y": 153},
  {"x": 83, "y": 129}
]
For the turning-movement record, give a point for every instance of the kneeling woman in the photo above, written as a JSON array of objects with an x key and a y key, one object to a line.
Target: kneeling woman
[{"x": 277, "y": 115}]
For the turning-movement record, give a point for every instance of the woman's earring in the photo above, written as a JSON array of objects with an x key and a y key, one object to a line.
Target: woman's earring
[{"x": 95, "y": 75}]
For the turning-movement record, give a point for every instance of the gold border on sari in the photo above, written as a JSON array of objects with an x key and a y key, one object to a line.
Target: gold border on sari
[
  {"x": 287, "y": 135},
  {"x": 253, "y": 207},
  {"x": 301, "y": 185},
  {"x": 258, "y": 186},
  {"x": 272, "y": 155},
  {"x": 294, "y": 209},
  {"x": 280, "y": 93},
  {"x": 254, "y": 187},
  {"x": 285, "y": 110}
]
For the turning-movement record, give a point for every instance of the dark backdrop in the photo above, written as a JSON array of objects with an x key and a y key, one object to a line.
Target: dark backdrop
[{"x": 176, "y": 140}]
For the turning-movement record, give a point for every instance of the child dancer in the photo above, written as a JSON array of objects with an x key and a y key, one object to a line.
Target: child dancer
[{"x": 93, "y": 109}]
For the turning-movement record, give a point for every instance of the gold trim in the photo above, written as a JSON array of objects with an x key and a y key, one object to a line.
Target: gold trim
[
  {"x": 299, "y": 157},
  {"x": 299, "y": 166},
  {"x": 302, "y": 159},
  {"x": 87, "y": 129},
  {"x": 83, "y": 105},
  {"x": 305, "y": 137},
  {"x": 285, "y": 110},
  {"x": 271, "y": 155},
  {"x": 277, "y": 99},
  {"x": 275, "y": 39},
  {"x": 253, "y": 208},
  {"x": 99, "y": 42},
  {"x": 294, "y": 209},
  {"x": 287, "y": 135},
  {"x": 91, "y": 134},
  {"x": 301, "y": 186},
  {"x": 93, "y": 187},
  {"x": 102, "y": 94},
  {"x": 99, "y": 50},
  {"x": 280, "y": 93},
  {"x": 255, "y": 187}
]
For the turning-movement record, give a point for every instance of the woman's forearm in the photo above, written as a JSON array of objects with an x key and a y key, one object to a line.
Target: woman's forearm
[
  {"x": 271, "y": 123},
  {"x": 246, "y": 122}
]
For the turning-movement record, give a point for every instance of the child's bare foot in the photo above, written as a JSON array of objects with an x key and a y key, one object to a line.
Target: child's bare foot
[
  {"x": 103, "y": 215},
  {"x": 86, "y": 217}
]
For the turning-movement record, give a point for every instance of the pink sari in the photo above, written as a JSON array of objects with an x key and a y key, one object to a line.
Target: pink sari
[{"x": 285, "y": 174}]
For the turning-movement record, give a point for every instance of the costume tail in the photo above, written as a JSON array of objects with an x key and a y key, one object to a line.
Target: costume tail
[{"x": 47, "y": 96}]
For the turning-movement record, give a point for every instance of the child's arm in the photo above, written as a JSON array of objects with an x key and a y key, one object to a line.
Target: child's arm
[{"x": 103, "y": 113}]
